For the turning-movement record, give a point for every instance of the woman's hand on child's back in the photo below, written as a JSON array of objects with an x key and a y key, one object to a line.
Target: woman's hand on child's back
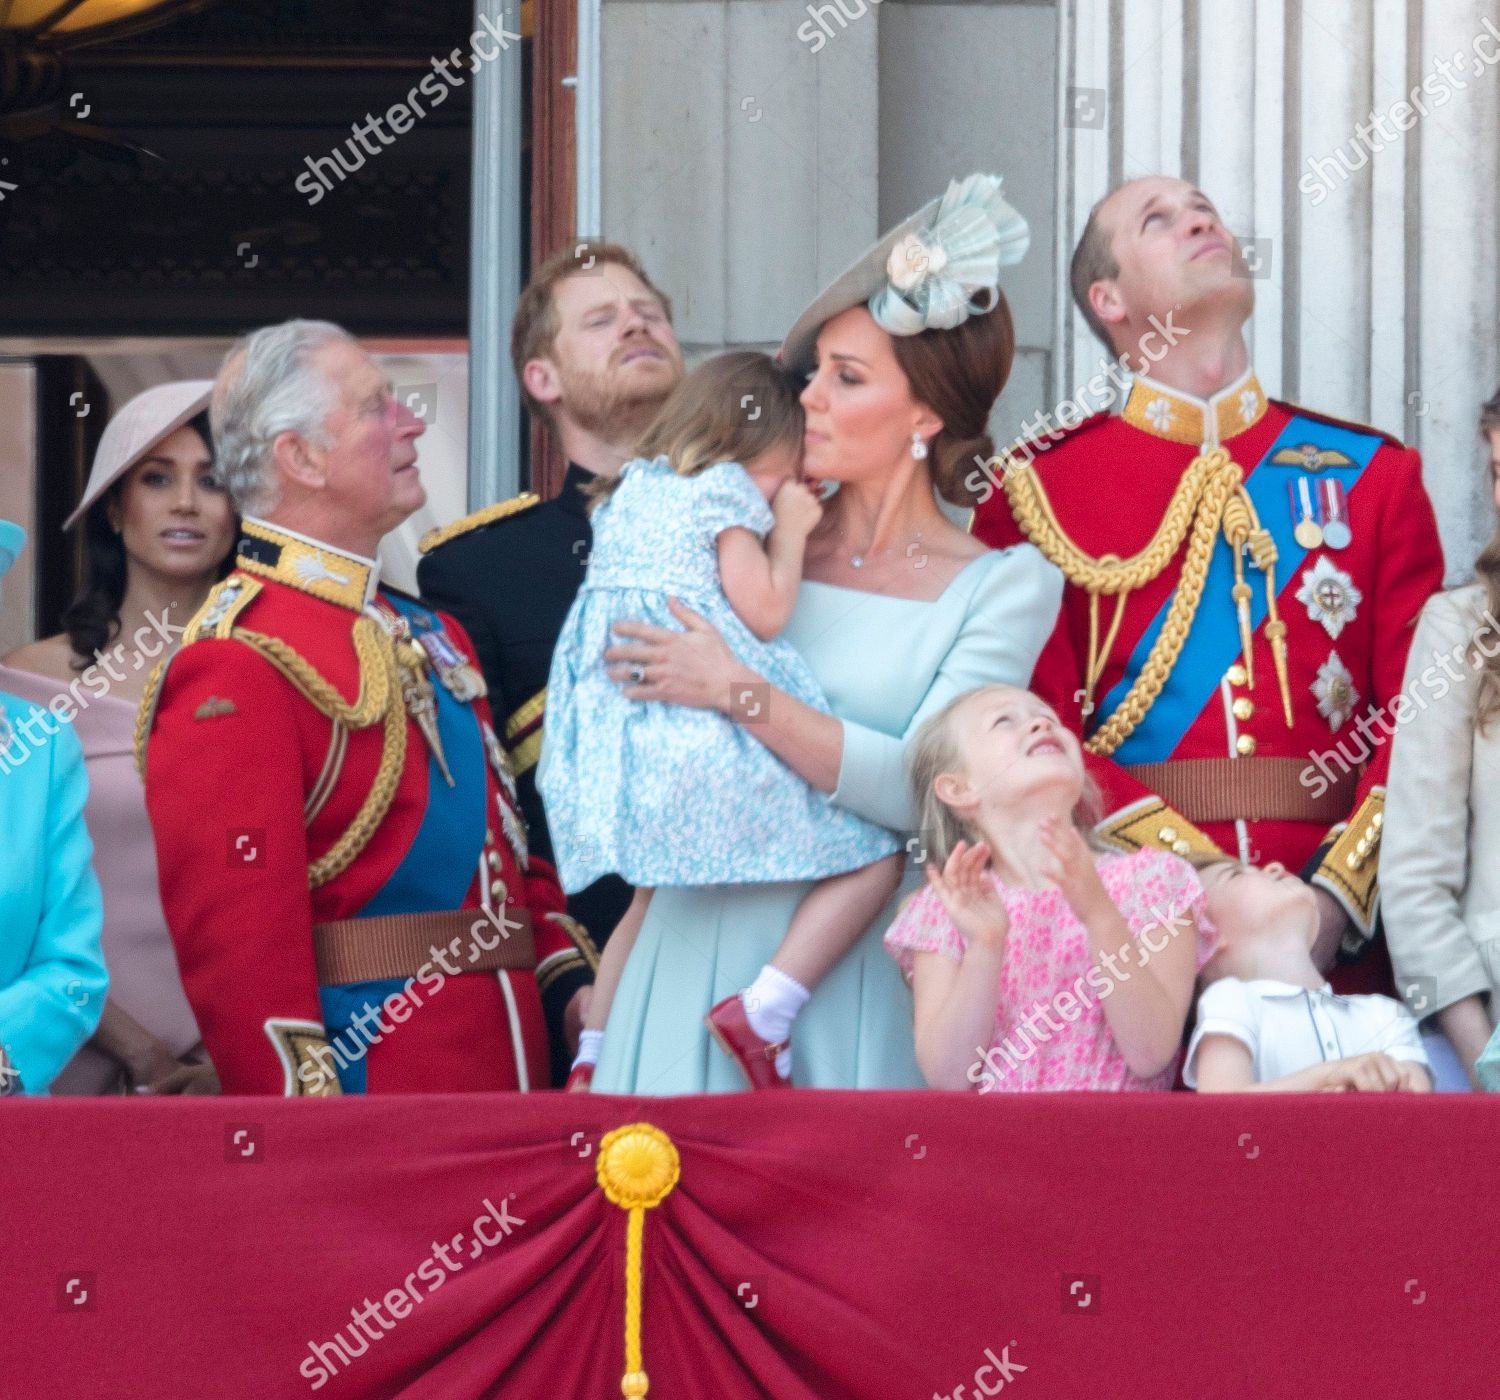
[
  {"x": 796, "y": 507},
  {"x": 1071, "y": 867},
  {"x": 971, "y": 896}
]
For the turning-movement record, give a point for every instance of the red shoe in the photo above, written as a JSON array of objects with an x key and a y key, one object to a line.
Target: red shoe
[
  {"x": 580, "y": 1079},
  {"x": 729, "y": 1025}
]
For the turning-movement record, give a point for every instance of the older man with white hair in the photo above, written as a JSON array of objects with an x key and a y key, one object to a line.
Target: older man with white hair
[{"x": 342, "y": 866}]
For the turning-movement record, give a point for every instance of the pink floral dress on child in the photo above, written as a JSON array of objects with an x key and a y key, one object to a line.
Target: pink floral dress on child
[{"x": 1047, "y": 973}]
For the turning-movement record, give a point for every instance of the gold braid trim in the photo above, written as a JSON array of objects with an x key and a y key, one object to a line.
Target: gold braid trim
[
  {"x": 377, "y": 801},
  {"x": 1108, "y": 574},
  {"x": 145, "y": 713},
  {"x": 1207, "y": 486},
  {"x": 377, "y": 683},
  {"x": 379, "y": 698}
]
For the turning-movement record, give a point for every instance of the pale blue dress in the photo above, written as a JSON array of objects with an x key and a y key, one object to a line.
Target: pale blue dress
[
  {"x": 663, "y": 794},
  {"x": 885, "y": 665}
]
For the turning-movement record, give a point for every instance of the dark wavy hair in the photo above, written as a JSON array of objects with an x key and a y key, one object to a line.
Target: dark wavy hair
[{"x": 92, "y": 620}]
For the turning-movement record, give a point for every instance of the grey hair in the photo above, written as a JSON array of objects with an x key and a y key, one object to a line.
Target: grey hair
[{"x": 269, "y": 385}]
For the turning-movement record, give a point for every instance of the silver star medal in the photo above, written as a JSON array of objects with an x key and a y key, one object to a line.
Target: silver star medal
[
  {"x": 1335, "y": 691},
  {"x": 1329, "y": 595}
]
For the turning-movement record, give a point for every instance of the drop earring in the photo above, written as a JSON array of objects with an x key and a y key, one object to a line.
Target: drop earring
[{"x": 918, "y": 447}]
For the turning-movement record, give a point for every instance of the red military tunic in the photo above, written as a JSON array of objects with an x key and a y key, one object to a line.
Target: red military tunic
[
  {"x": 290, "y": 786},
  {"x": 1348, "y": 614}
]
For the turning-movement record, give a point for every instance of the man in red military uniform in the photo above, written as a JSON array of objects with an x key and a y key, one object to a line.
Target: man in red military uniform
[
  {"x": 342, "y": 866},
  {"x": 1242, "y": 574}
]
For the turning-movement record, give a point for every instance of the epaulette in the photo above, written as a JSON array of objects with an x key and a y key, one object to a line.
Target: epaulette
[
  {"x": 226, "y": 600},
  {"x": 499, "y": 511},
  {"x": 1347, "y": 424}
]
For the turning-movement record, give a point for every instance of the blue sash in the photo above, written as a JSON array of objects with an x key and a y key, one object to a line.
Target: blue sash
[
  {"x": 1213, "y": 642},
  {"x": 440, "y": 864}
]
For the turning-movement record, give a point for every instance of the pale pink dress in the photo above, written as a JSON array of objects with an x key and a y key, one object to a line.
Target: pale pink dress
[
  {"x": 1045, "y": 956},
  {"x": 143, "y": 975}
]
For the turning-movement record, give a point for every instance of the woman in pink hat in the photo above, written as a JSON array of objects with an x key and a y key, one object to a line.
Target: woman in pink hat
[{"x": 159, "y": 532}]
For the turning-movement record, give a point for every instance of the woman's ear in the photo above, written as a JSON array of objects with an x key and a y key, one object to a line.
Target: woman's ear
[{"x": 927, "y": 423}]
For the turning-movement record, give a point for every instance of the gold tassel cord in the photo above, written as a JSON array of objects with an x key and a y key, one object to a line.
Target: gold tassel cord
[
  {"x": 1210, "y": 497},
  {"x": 637, "y": 1170}
]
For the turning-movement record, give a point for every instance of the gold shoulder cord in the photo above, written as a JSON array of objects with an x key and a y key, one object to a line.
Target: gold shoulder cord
[
  {"x": 379, "y": 698},
  {"x": 1211, "y": 496}
]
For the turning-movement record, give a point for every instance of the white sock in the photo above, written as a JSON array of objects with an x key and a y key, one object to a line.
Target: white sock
[
  {"x": 772, "y": 1002},
  {"x": 589, "y": 1043}
]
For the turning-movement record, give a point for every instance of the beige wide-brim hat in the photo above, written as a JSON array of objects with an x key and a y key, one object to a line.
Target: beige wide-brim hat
[
  {"x": 932, "y": 271},
  {"x": 149, "y": 417}
]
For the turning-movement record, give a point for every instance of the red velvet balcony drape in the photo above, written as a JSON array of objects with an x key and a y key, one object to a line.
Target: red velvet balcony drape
[{"x": 817, "y": 1245}]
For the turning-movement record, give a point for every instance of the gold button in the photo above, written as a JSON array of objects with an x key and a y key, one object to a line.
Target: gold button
[
  {"x": 497, "y": 889},
  {"x": 1167, "y": 835},
  {"x": 1238, "y": 675},
  {"x": 1181, "y": 847},
  {"x": 1378, "y": 819},
  {"x": 1243, "y": 708},
  {"x": 494, "y": 859},
  {"x": 1351, "y": 860},
  {"x": 1245, "y": 744}
]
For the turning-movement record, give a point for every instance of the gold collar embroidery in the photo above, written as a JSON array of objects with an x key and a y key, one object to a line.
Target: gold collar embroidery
[
  {"x": 1178, "y": 417},
  {"x": 306, "y": 564}
]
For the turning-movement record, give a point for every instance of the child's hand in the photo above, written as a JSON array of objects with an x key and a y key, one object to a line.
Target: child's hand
[
  {"x": 970, "y": 896},
  {"x": 1414, "y": 1078},
  {"x": 796, "y": 507},
  {"x": 1070, "y": 866},
  {"x": 1372, "y": 1073}
]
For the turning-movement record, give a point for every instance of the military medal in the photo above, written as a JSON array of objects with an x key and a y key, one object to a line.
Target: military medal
[
  {"x": 1306, "y": 531},
  {"x": 1336, "y": 533},
  {"x": 416, "y": 689},
  {"x": 461, "y": 680}
]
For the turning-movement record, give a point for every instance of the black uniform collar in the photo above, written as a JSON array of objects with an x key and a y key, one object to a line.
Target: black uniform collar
[{"x": 571, "y": 497}]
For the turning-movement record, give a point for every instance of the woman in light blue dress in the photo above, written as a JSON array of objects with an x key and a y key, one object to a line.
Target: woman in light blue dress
[
  {"x": 52, "y": 977},
  {"x": 899, "y": 610},
  {"x": 631, "y": 789}
]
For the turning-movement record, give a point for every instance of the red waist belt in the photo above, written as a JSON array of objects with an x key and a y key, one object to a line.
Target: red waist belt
[
  {"x": 401, "y": 945},
  {"x": 1248, "y": 789}
]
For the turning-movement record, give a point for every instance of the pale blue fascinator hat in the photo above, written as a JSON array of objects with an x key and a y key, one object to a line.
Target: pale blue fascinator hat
[{"x": 931, "y": 272}]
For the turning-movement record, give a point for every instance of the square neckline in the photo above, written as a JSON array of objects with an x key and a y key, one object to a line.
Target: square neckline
[{"x": 896, "y": 597}]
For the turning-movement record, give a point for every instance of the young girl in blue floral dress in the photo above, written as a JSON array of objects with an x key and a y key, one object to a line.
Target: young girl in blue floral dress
[{"x": 714, "y": 513}]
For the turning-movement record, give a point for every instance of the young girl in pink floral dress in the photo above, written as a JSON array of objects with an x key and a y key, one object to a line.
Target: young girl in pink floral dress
[{"x": 1037, "y": 961}]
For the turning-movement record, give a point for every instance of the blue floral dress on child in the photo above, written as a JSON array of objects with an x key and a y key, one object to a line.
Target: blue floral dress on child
[{"x": 664, "y": 794}]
